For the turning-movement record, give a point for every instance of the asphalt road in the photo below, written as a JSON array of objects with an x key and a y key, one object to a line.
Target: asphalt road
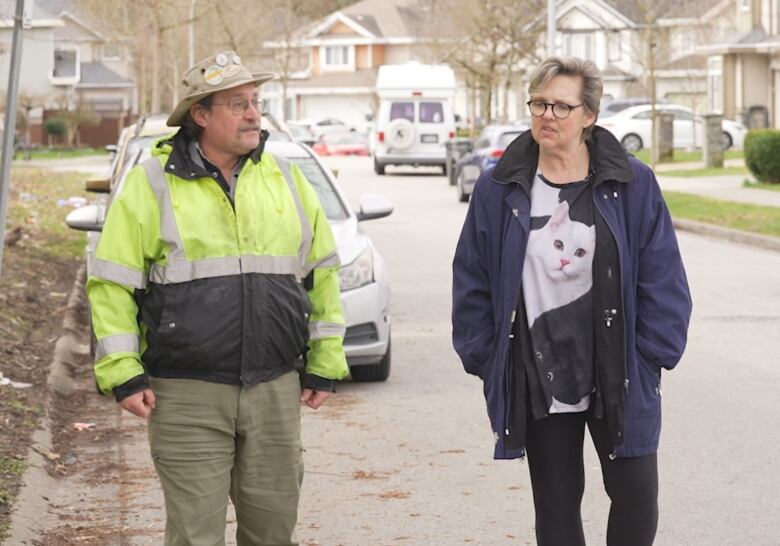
[{"x": 409, "y": 461}]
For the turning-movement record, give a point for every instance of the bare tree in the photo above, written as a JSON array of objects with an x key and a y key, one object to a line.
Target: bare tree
[{"x": 496, "y": 42}]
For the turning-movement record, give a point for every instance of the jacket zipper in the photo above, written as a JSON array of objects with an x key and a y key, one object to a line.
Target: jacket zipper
[{"x": 608, "y": 318}]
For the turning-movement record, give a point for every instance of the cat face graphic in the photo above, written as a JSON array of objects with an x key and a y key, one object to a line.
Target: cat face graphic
[{"x": 564, "y": 247}]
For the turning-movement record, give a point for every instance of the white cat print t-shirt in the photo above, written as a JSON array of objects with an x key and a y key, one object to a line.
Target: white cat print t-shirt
[{"x": 557, "y": 291}]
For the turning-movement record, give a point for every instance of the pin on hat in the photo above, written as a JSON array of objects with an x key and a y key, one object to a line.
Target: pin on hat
[{"x": 215, "y": 73}]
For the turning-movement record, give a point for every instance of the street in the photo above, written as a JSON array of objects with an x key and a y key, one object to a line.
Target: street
[{"x": 409, "y": 461}]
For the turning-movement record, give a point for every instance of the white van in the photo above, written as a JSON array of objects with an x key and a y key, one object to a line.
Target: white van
[{"x": 415, "y": 115}]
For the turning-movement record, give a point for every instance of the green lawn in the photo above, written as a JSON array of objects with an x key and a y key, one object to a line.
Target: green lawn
[
  {"x": 761, "y": 185},
  {"x": 753, "y": 218},
  {"x": 54, "y": 153},
  {"x": 683, "y": 156},
  {"x": 692, "y": 173}
]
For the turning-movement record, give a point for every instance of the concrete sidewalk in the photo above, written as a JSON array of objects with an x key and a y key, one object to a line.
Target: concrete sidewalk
[{"x": 726, "y": 188}]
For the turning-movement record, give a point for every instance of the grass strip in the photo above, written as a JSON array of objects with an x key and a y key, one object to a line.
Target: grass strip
[{"x": 745, "y": 217}]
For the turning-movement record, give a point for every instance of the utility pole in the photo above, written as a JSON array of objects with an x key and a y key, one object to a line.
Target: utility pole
[
  {"x": 22, "y": 17},
  {"x": 191, "y": 35},
  {"x": 551, "y": 27}
]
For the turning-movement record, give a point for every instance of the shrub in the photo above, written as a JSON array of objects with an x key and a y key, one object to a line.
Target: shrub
[
  {"x": 56, "y": 126},
  {"x": 761, "y": 154}
]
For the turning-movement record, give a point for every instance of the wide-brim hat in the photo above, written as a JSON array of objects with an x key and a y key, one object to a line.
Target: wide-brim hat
[{"x": 215, "y": 73}]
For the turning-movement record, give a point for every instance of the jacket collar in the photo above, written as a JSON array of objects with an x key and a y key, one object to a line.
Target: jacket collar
[
  {"x": 181, "y": 163},
  {"x": 608, "y": 160}
]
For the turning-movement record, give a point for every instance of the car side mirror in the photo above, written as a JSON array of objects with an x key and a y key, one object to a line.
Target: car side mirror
[
  {"x": 374, "y": 206},
  {"x": 87, "y": 218},
  {"x": 98, "y": 184}
]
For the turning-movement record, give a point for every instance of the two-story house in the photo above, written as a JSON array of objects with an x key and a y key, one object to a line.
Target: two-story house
[
  {"x": 68, "y": 63},
  {"x": 743, "y": 70},
  {"x": 340, "y": 56}
]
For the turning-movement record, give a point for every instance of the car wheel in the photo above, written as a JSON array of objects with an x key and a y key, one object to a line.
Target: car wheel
[
  {"x": 726, "y": 140},
  {"x": 374, "y": 372},
  {"x": 378, "y": 167},
  {"x": 463, "y": 197},
  {"x": 632, "y": 142}
]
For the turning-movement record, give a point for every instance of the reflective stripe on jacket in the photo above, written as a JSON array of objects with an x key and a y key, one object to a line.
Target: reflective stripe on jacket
[{"x": 219, "y": 284}]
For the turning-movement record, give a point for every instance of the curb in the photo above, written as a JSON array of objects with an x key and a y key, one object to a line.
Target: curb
[
  {"x": 31, "y": 510},
  {"x": 732, "y": 235}
]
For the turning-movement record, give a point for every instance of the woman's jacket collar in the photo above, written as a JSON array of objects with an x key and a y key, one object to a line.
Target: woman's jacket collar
[{"x": 608, "y": 160}]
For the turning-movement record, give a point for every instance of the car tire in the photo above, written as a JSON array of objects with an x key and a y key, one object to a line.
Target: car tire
[
  {"x": 632, "y": 142},
  {"x": 374, "y": 372},
  {"x": 378, "y": 167},
  {"x": 463, "y": 197},
  {"x": 726, "y": 141}
]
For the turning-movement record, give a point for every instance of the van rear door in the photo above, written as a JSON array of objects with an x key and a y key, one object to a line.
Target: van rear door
[{"x": 433, "y": 127}]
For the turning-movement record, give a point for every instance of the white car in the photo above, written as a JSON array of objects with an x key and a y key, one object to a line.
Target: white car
[
  {"x": 632, "y": 128},
  {"x": 364, "y": 275}
]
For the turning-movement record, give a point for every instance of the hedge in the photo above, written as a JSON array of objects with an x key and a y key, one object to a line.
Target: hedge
[{"x": 762, "y": 154}]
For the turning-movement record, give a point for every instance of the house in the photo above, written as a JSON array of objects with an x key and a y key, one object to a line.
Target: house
[
  {"x": 613, "y": 34},
  {"x": 743, "y": 70},
  {"x": 68, "y": 64},
  {"x": 339, "y": 56}
]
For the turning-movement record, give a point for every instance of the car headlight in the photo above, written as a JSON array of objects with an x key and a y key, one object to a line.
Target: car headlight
[{"x": 359, "y": 273}]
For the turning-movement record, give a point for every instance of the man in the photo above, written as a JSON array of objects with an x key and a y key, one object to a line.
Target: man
[{"x": 216, "y": 270}]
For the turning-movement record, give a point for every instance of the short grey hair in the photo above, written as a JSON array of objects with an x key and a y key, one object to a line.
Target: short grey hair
[{"x": 592, "y": 85}]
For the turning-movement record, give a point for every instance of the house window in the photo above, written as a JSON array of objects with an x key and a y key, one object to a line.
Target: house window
[
  {"x": 111, "y": 52},
  {"x": 745, "y": 5},
  {"x": 65, "y": 63},
  {"x": 580, "y": 45},
  {"x": 613, "y": 47},
  {"x": 337, "y": 56}
]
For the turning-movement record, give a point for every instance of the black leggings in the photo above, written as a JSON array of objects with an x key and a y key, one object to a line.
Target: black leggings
[{"x": 554, "y": 447}]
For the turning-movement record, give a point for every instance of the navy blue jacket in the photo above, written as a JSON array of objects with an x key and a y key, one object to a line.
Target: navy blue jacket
[{"x": 649, "y": 312}]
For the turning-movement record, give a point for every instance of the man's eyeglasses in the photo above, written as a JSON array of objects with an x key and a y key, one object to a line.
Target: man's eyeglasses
[
  {"x": 239, "y": 106},
  {"x": 560, "y": 110}
]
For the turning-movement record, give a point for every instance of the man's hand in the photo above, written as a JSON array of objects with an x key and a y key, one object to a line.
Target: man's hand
[
  {"x": 140, "y": 403},
  {"x": 314, "y": 399}
]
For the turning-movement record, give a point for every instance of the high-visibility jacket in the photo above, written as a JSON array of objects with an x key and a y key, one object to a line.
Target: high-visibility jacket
[{"x": 187, "y": 284}]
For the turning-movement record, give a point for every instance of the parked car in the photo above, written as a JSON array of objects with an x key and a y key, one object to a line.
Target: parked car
[
  {"x": 364, "y": 276},
  {"x": 611, "y": 107},
  {"x": 342, "y": 143},
  {"x": 320, "y": 126},
  {"x": 632, "y": 128},
  {"x": 487, "y": 149},
  {"x": 301, "y": 133}
]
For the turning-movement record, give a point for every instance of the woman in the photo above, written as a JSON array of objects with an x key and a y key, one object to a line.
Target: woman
[{"x": 569, "y": 297}]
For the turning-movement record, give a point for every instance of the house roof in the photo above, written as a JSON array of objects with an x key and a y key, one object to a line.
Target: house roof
[
  {"x": 98, "y": 74},
  {"x": 381, "y": 18},
  {"x": 8, "y": 9},
  {"x": 674, "y": 9},
  {"x": 693, "y": 61}
]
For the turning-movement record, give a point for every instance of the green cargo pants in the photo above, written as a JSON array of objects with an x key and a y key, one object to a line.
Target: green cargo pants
[{"x": 210, "y": 440}]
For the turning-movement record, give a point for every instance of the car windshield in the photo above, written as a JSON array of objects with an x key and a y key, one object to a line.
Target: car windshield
[
  {"x": 330, "y": 200},
  {"x": 506, "y": 138}
]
